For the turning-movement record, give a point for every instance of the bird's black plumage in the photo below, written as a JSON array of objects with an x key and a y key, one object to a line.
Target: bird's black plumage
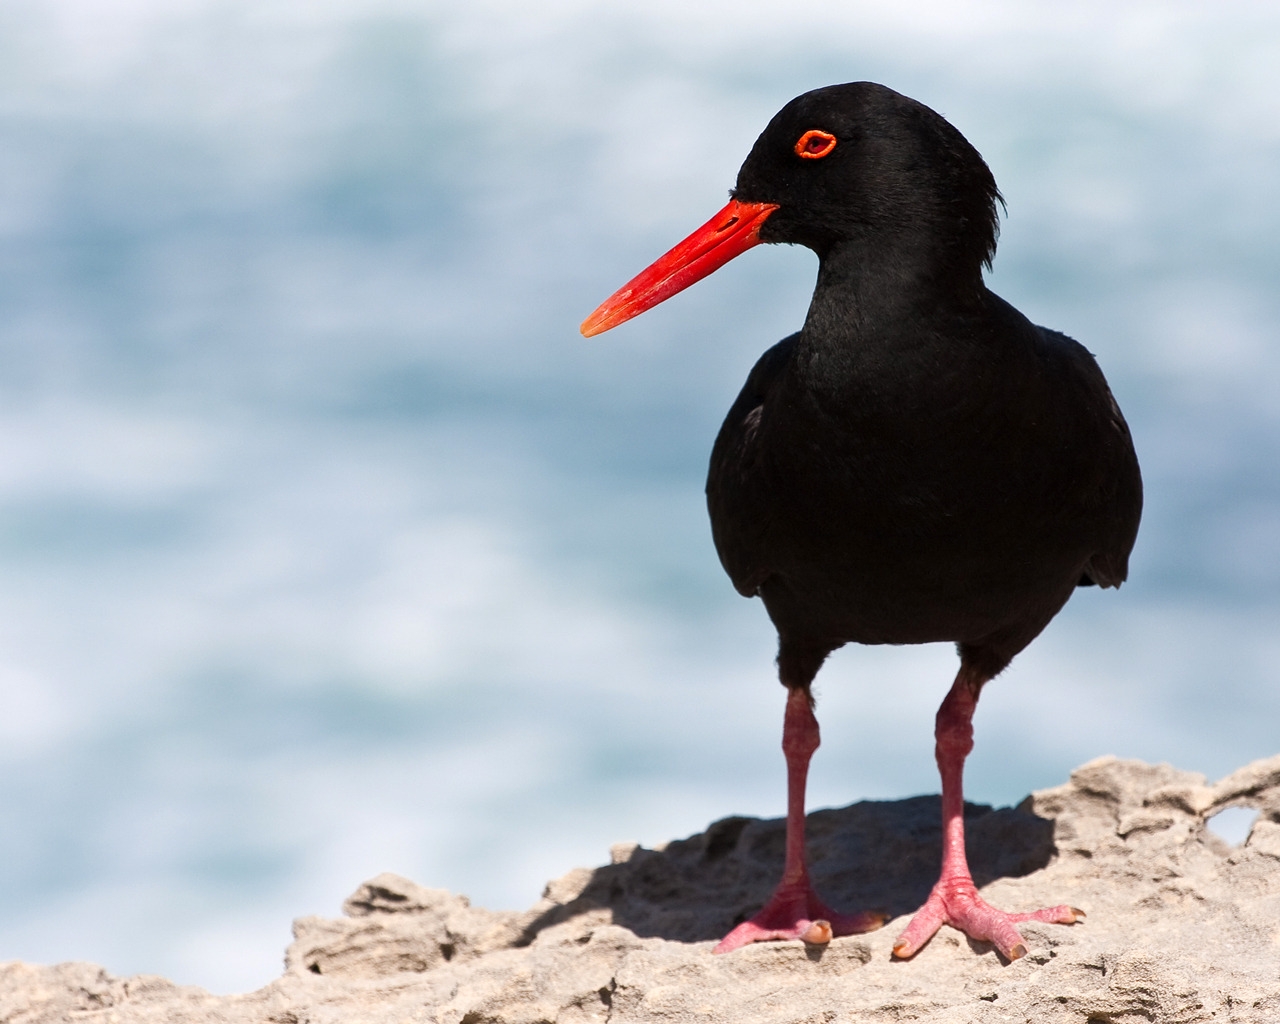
[{"x": 919, "y": 462}]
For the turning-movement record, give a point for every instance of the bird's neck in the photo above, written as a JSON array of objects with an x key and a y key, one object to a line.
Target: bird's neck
[
  {"x": 870, "y": 312},
  {"x": 865, "y": 290}
]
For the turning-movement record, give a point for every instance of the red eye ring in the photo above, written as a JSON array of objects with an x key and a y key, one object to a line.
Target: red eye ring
[{"x": 814, "y": 145}]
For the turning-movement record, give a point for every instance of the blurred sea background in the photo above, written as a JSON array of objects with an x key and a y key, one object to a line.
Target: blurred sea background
[{"x": 328, "y": 546}]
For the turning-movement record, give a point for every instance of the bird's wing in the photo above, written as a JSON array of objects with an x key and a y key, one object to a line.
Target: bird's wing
[
  {"x": 734, "y": 479},
  {"x": 1109, "y": 566},
  {"x": 1114, "y": 501}
]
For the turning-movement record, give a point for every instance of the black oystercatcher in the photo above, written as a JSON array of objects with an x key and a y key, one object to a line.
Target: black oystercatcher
[{"x": 919, "y": 463}]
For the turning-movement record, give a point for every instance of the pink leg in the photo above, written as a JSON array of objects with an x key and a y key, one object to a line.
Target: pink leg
[
  {"x": 954, "y": 899},
  {"x": 794, "y": 910}
]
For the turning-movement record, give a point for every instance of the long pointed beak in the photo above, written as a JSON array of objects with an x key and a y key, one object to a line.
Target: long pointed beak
[{"x": 731, "y": 232}]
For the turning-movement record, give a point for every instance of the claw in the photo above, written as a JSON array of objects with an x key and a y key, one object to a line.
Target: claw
[{"x": 795, "y": 912}]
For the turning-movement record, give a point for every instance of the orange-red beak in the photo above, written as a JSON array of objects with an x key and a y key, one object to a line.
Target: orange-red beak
[{"x": 731, "y": 232}]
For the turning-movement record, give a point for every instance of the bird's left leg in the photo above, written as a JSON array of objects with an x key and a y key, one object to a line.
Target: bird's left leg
[
  {"x": 794, "y": 911},
  {"x": 954, "y": 899}
]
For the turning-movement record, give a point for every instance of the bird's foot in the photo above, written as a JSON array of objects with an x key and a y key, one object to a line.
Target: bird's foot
[
  {"x": 794, "y": 911},
  {"x": 956, "y": 902}
]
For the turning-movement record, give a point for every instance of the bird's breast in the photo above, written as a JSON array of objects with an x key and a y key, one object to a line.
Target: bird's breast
[{"x": 897, "y": 510}]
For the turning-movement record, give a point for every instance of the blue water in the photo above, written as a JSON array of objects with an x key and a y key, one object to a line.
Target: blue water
[{"x": 328, "y": 547}]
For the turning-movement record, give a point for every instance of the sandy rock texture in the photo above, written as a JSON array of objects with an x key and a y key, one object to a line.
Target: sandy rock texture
[{"x": 1181, "y": 927}]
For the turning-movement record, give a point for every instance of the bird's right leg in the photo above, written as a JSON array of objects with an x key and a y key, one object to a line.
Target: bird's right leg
[
  {"x": 954, "y": 900},
  {"x": 794, "y": 911}
]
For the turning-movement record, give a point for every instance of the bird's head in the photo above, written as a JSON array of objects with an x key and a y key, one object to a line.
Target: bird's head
[{"x": 847, "y": 166}]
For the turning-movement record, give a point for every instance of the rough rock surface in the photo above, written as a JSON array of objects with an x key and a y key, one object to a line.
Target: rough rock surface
[{"x": 1181, "y": 927}]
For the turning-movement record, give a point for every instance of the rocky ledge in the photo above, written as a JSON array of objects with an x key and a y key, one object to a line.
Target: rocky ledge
[{"x": 1181, "y": 927}]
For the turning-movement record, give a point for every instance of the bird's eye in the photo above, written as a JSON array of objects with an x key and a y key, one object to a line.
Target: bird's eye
[{"x": 814, "y": 145}]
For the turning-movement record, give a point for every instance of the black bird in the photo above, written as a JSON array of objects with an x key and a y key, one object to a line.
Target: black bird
[{"x": 918, "y": 463}]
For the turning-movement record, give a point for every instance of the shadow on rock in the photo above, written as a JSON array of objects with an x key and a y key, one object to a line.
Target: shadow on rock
[{"x": 875, "y": 855}]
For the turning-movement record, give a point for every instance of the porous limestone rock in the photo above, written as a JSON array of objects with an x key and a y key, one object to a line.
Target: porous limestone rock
[{"x": 1181, "y": 928}]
